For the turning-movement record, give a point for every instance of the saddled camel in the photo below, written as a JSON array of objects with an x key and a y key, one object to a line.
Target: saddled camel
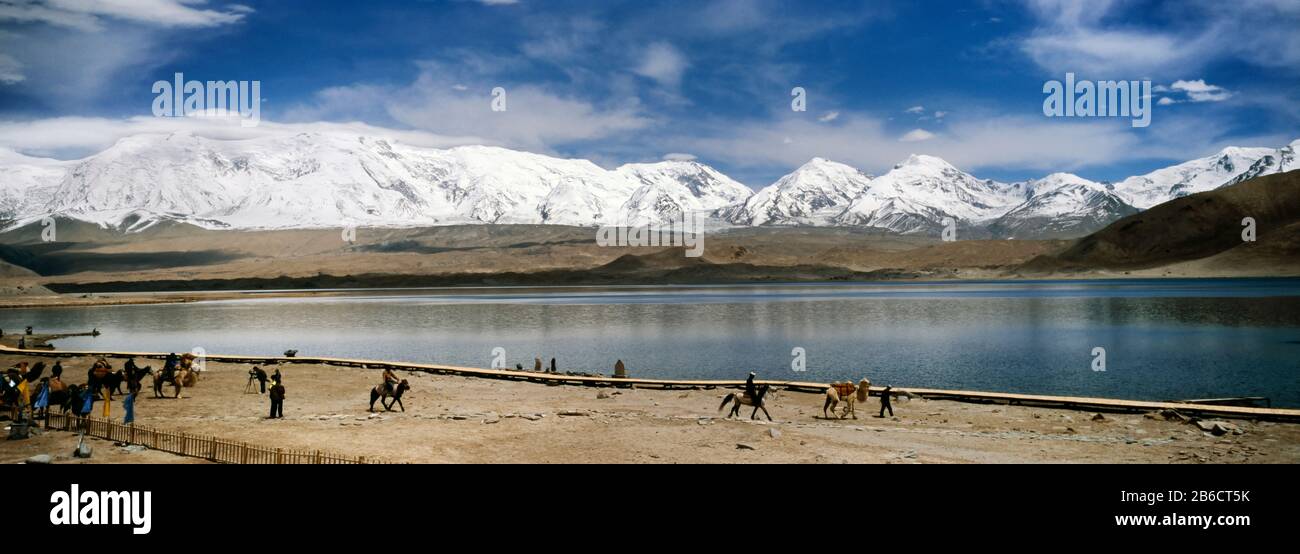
[
  {"x": 179, "y": 378},
  {"x": 847, "y": 393}
]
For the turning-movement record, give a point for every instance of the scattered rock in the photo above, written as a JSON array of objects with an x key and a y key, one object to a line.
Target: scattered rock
[
  {"x": 575, "y": 413},
  {"x": 40, "y": 459},
  {"x": 602, "y": 395},
  {"x": 1174, "y": 415},
  {"x": 774, "y": 433},
  {"x": 744, "y": 446},
  {"x": 1098, "y": 417},
  {"x": 132, "y": 449},
  {"x": 531, "y": 417},
  {"x": 1221, "y": 428}
]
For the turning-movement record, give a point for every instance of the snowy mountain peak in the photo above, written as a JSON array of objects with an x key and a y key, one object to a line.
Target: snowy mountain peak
[
  {"x": 925, "y": 162},
  {"x": 813, "y": 194}
]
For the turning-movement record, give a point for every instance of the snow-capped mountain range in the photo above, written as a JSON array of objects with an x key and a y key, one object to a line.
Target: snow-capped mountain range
[{"x": 341, "y": 179}]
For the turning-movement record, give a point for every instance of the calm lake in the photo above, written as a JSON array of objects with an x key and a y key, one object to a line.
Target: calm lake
[{"x": 1163, "y": 339}]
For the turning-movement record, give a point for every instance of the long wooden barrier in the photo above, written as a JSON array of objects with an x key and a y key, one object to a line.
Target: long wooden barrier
[
  {"x": 1068, "y": 402},
  {"x": 197, "y": 446}
]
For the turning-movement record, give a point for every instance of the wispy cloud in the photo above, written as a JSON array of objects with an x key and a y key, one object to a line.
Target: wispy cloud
[
  {"x": 1095, "y": 37},
  {"x": 89, "y": 15},
  {"x": 663, "y": 63}
]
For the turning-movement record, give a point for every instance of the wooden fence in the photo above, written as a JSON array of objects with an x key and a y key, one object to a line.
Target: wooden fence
[{"x": 198, "y": 446}]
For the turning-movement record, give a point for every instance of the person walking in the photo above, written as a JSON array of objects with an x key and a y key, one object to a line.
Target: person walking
[
  {"x": 277, "y": 400},
  {"x": 884, "y": 402},
  {"x": 553, "y": 366}
]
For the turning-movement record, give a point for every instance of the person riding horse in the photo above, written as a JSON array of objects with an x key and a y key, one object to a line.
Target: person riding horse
[
  {"x": 390, "y": 381},
  {"x": 750, "y": 389}
]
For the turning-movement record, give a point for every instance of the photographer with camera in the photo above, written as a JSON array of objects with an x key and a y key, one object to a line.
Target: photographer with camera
[{"x": 259, "y": 375}]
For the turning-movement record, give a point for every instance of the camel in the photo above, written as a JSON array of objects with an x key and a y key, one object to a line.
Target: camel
[
  {"x": 380, "y": 392},
  {"x": 747, "y": 400},
  {"x": 847, "y": 393}
]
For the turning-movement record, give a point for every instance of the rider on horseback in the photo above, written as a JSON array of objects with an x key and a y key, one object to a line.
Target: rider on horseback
[
  {"x": 750, "y": 389},
  {"x": 390, "y": 381}
]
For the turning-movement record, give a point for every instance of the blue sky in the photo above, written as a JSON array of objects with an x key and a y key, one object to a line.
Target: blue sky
[{"x": 627, "y": 81}]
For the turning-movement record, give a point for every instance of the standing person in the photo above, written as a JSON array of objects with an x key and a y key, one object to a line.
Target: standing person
[
  {"x": 260, "y": 375},
  {"x": 537, "y": 364},
  {"x": 620, "y": 370},
  {"x": 277, "y": 400},
  {"x": 553, "y": 366},
  {"x": 57, "y": 370},
  {"x": 884, "y": 402},
  {"x": 275, "y": 377}
]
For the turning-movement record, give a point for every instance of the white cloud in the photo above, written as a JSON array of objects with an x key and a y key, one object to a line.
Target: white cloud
[
  {"x": 663, "y": 63},
  {"x": 535, "y": 117},
  {"x": 11, "y": 71},
  {"x": 940, "y": 115},
  {"x": 679, "y": 157},
  {"x": 829, "y": 117},
  {"x": 88, "y": 15},
  {"x": 915, "y": 109},
  {"x": 1085, "y": 38},
  {"x": 1199, "y": 91},
  {"x": 498, "y": 2},
  {"x": 1166, "y": 101},
  {"x": 72, "y": 137},
  {"x": 916, "y": 135}
]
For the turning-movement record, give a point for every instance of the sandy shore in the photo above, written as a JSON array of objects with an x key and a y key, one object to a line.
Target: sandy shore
[{"x": 471, "y": 420}]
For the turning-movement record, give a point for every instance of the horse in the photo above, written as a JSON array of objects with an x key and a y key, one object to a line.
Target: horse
[
  {"x": 113, "y": 381},
  {"x": 179, "y": 378},
  {"x": 134, "y": 376},
  {"x": 744, "y": 398},
  {"x": 845, "y": 392},
  {"x": 380, "y": 392}
]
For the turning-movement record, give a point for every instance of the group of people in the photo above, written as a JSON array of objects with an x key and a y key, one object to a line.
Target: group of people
[
  {"x": 27, "y": 392},
  {"x": 276, "y": 391}
]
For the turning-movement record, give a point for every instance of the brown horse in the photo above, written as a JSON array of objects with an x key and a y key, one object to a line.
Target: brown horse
[
  {"x": 747, "y": 400},
  {"x": 380, "y": 392}
]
